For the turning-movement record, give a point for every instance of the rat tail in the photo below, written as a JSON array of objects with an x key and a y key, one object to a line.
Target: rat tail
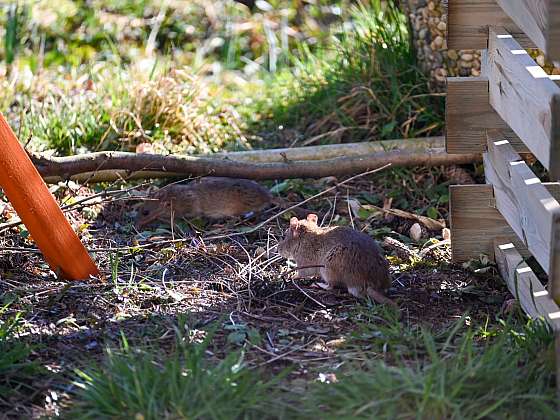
[{"x": 379, "y": 297}]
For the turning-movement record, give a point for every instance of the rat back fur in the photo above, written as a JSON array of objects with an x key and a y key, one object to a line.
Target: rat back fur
[
  {"x": 347, "y": 258},
  {"x": 211, "y": 198}
]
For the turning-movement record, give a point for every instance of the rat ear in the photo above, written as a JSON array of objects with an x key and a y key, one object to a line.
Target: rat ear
[
  {"x": 294, "y": 226},
  {"x": 294, "y": 223},
  {"x": 312, "y": 218}
]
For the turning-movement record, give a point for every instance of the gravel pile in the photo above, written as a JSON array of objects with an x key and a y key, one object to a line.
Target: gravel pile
[{"x": 428, "y": 19}]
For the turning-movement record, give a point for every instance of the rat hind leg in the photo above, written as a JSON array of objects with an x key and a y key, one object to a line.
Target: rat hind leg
[
  {"x": 356, "y": 292},
  {"x": 324, "y": 285},
  {"x": 379, "y": 297},
  {"x": 332, "y": 278}
]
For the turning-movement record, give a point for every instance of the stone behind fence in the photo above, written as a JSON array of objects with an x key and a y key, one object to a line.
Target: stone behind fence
[{"x": 428, "y": 21}]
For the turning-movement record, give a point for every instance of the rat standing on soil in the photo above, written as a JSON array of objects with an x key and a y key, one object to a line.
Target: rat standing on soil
[
  {"x": 346, "y": 257},
  {"x": 210, "y": 197}
]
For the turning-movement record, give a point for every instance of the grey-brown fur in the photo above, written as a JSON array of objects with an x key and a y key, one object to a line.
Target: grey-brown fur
[
  {"x": 348, "y": 258},
  {"x": 210, "y": 197}
]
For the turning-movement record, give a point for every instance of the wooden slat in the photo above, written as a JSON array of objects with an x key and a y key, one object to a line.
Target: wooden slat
[
  {"x": 530, "y": 208},
  {"x": 468, "y": 22},
  {"x": 525, "y": 286},
  {"x": 554, "y": 189},
  {"x": 523, "y": 201},
  {"x": 557, "y": 351},
  {"x": 525, "y": 98},
  {"x": 539, "y": 19},
  {"x": 475, "y": 222},
  {"x": 469, "y": 114}
]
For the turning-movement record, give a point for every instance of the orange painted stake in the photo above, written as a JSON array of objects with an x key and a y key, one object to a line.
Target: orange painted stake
[{"x": 39, "y": 211}]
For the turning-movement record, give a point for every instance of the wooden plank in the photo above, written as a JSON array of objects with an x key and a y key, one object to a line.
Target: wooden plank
[
  {"x": 475, "y": 222},
  {"x": 557, "y": 351},
  {"x": 525, "y": 98},
  {"x": 468, "y": 22},
  {"x": 525, "y": 286},
  {"x": 554, "y": 189},
  {"x": 524, "y": 202},
  {"x": 538, "y": 19},
  {"x": 469, "y": 115},
  {"x": 527, "y": 205}
]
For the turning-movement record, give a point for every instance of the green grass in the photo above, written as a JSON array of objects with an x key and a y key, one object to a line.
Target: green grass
[
  {"x": 16, "y": 371},
  {"x": 122, "y": 108},
  {"x": 71, "y": 33},
  {"x": 463, "y": 377},
  {"x": 364, "y": 86},
  {"x": 183, "y": 384},
  {"x": 505, "y": 370},
  {"x": 359, "y": 83}
]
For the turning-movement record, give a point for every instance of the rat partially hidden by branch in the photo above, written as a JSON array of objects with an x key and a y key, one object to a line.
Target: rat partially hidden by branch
[
  {"x": 212, "y": 198},
  {"x": 346, "y": 257}
]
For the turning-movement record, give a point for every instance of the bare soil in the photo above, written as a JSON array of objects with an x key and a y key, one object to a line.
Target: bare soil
[{"x": 240, "y": 282}]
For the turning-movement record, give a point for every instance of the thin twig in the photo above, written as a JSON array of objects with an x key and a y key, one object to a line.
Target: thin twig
[
  {"x": 252, "y": 230},
  {"x": 309, "y": 296},
  {"x": 277, "y": 215}
]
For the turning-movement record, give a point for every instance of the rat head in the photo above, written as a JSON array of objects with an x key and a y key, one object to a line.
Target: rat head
[
  {"x": 296, "y": 234},
  {"x": 150, "y": 211}
]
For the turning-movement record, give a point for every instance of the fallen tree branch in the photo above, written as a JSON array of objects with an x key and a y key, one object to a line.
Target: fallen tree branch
[
  {"x": 109, "y": 166},
  {"x": 332, "y": 151}
]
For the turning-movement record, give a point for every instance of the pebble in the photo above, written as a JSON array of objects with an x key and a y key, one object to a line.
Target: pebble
[
  {"x": 415, "y": 232},
  {"x": 452, "y": 55},
  {"x": 429, "y": 23},
  {"x": 429, "y": 26}
]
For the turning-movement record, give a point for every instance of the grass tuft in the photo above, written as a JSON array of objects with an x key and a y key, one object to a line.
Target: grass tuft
[
  {"x": 16, "y": 370},
  {"x": 133, "y": 383},
  {"x": 508, "y": 376},
  {"x": 365, "y": 86}
]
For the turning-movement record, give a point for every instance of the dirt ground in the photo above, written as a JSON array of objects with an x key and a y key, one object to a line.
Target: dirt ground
[{"x": 240, "y": 282}]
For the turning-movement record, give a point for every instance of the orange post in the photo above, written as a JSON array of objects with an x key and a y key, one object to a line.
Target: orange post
[{"x": 39, "y": 211}]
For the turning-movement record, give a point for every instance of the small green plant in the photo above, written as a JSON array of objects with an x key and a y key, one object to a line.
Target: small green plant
[
  {"x": 15, "y": 368},
  {"x": 11, "y": 39},
  {"x": 133, "y": 383}
]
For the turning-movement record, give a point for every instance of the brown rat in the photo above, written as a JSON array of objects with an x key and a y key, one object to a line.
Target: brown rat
[
  {"x": 210, "y": 197},
  {"x": 345, "y": 257}
]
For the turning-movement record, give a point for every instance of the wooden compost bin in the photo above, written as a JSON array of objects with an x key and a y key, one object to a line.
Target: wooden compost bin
[{"x": 513, "y": 107}]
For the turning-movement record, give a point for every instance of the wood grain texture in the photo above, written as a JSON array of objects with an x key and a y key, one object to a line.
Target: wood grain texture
[
  {"x": 553, "y": 41},
  {"x": 469, "y": 115},
  {"x": 468, "y": 22},
  {"x": 524, "y": 202},
  {"x": 539, "y": 20},
  {"x": 557, "y": 351},
  {"x": 525, "y": 98},
  {"x": 554, "y": 189},
  {"x": 525, "y": 286},
  {"x": 475, "y": 222}
]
